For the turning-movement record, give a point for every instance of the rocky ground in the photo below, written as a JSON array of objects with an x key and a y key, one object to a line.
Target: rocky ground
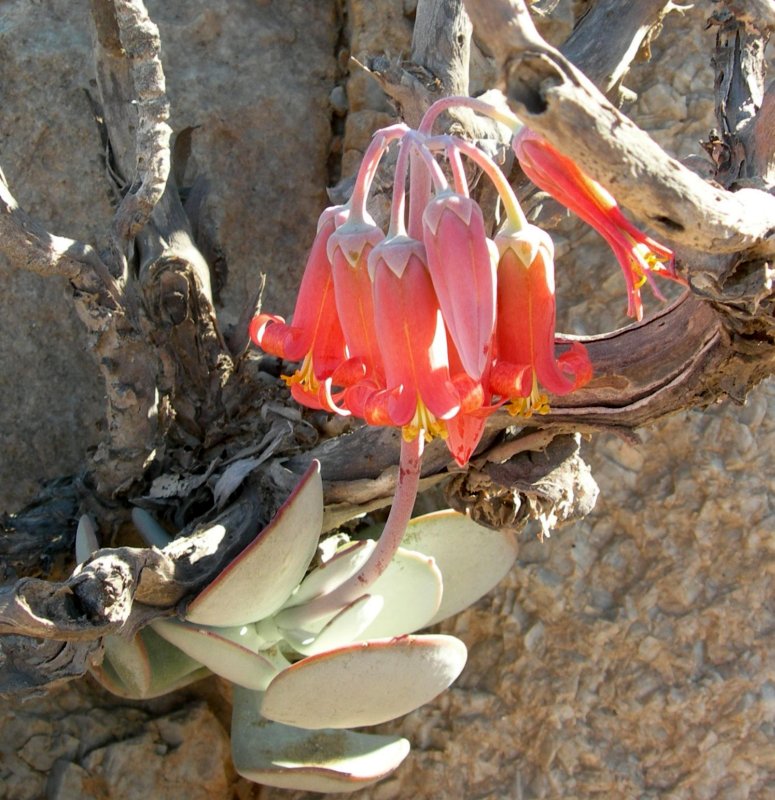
[{"x": 630, "y": 655}]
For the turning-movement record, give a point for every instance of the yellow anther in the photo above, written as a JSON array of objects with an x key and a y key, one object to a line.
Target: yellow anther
[
  {"x": 426, "y": 422},
  {"x": 304, "y": 375},
  {"x": 535, "y": 403}
]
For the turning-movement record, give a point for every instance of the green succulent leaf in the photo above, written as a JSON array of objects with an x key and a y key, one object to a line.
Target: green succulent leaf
[
  {"x": 86, "y": 541},
  {"x": 347, "y": 626},
  {"x": 343, "y": 565},
  {"x": 145, "y": 667},
  {"x": 261, "y": 578},
  {"x": 317, "y": 761},
  {"x": 364, "y": 684},
  {"x": 411, "y": 590},
  {"x": 130, "y": 661},
  {"x": 472, "y": 558},
  {"x": 225, "y": 651},
  {"x": 153, "y": 533}
]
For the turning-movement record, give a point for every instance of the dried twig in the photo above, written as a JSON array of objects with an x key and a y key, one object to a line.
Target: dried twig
[
  {"x": 556, "y": 100},
  {"x": 130, "y": 42}
]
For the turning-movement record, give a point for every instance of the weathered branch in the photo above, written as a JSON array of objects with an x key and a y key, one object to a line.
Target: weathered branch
[
  {"x": 28, "y": 245},
  {"x": 133, "y": 90},
  {"x": 761, "y": 144},
  {"x": 99, "y": 596},
  {"x": 553, "y": 98},
  {"x": 740, "y": 68},
  {"x": 627, "y": 27},
  {"x": 441, "y": 43},
  {"x": 438, "y": 67}
]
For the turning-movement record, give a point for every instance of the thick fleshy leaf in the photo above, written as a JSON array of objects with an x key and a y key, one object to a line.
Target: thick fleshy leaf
[
  {"x": 262, "y": 577},
  {"x": 161, "y": 668},
  {"x": 341, "y": 566},
  {"x": 364, "y": 684},
  {"x": 153, "y": 533},
  {"x": 221, "y": 651},
  {"x": 411, "y": 590},
  {"x": 86, "y": 541},
  {"x": 346, "y": 627},
  {"x": 131, "y": 663},
  {"x": 472, "y": 558},
  {"x": 318, "y": 761}
]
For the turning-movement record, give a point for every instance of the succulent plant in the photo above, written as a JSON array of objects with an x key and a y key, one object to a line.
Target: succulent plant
[{"x": 301, "y": 679}]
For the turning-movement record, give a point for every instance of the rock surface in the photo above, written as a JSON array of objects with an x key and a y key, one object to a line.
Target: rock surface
[
  {"x": 79, "y": 742},
  {"x": 252, "y": 80},
  {"x": 630, "y": 655}
]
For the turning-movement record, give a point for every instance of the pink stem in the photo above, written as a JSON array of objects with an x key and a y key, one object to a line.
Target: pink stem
[
  {"x": 392, "y": 535},
  {"x": 368, "y": 169},
  {"x": 419, "y": 194},
  {"x": 479, "y": 106},
  {"x": 458, "y": 170}
]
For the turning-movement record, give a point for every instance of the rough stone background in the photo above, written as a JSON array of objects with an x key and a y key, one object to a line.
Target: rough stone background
[
  {"x": 629, "y": 656},
  {"x": 253, "y": 80}
]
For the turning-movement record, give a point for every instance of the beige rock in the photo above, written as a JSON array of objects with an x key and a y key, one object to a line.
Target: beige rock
[
  {"x": 260, "y": 140},
  {"x": 79, "y": 742}
]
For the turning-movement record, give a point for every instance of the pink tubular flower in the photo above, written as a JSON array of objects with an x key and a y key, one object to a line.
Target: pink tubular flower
[
  {"x": 525, "y": 336},
  {"x": 462, "y": 267},
  {"x": 466, "y": 428},
  {"x": 348, "y": 252},
  {"x": 638, "y": 254},
  {"x": 418, "y": 394},
  {"x": 315, "y": 335}
]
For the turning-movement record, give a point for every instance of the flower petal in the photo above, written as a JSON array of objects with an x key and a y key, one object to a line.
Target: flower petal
[
  {"x": 638, "y": 254},
  {"x": 411, "y": 334},
  {"x": 349, "y": 250},
  {"x": 463, "y": 274}
]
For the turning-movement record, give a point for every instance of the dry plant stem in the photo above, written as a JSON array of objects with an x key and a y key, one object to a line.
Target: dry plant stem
[
  {"x": 438, "y": 65},
  {"x": 556, "y": 100},
  {"x": 28, "y": 245},
  {"x": 746, "y": 133},
  {"x": 627, "y": 26},
  {"x": 168, "y": 293},
  {"x": 441, "y": 43},
  {"x": 102, "y": 593},
  {"x": 126, "y": 33}
]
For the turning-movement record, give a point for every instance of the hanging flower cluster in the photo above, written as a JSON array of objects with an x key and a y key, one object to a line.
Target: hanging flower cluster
[{"x": 433, "y": 325}]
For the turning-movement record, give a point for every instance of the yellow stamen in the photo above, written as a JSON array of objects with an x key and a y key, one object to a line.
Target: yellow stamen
[
  {"x": 426, "y": 422},
  {"x": 535, "y": 403},
  {"x": 643, "y": 253},
  {"x": 304, "y": 375}
]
